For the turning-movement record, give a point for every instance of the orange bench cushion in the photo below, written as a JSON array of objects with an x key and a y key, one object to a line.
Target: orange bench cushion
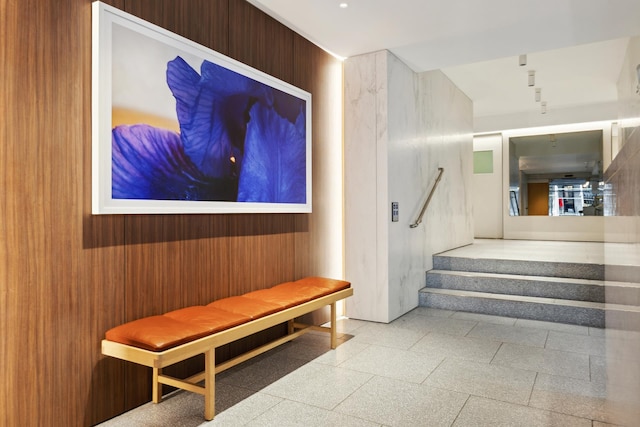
[
  {"x": 156, "y": 333},
  {"x": 215, "y": 320},
  {"x": 290, "y": 294},
  {"x": 284, "y": 295},
  {"x": 246, "y": 306},
  {"x": 329, "y": 285}
]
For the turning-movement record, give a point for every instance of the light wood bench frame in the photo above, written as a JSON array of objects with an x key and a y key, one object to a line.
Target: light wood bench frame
[{"x": 207, "y": 346}]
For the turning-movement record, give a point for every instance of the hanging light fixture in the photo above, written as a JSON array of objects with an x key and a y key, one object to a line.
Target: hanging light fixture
[
  {"x": 522, "y": 60},
  {"x": 532, "y": 78},
  {"x": 538, "y": 94}
]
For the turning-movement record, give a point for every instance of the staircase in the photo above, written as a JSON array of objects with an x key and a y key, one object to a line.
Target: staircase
[{"x": 562, "y": 292}]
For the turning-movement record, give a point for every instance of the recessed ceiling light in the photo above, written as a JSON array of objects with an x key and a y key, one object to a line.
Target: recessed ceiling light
[{"x": 344, "y": 5}]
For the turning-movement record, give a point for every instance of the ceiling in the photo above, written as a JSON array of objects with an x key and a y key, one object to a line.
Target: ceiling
[{"x": 576, "y": 47}]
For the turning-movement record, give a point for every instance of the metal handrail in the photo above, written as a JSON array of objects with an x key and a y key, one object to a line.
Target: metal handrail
[{"x": 426, "y": 203}]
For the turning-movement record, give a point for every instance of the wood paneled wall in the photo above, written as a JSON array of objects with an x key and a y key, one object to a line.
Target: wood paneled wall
[{"x": 67, "y": 276}]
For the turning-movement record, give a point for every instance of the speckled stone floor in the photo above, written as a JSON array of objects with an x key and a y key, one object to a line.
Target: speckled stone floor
[
  {"x": 428, "y": 368},
  {"x": 538, "y": 250}
]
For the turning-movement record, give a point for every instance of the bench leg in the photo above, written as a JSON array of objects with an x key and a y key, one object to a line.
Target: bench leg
[
  {"x": 210, "y": 384},
  {"x": 156, "y": 393},
  {"x": 290, "y": 328},
  {"x": 334, "y": 326}
]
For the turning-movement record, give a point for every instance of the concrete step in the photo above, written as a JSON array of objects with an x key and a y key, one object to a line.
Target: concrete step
[
  {"x": 520, "y": 267},
  {"x": 512, "y": 284},
  {"x": 525, "y": 307},
  {"x": 625, "y": 293}
]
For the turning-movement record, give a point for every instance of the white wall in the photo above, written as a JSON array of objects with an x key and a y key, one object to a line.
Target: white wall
[
  {"x": 399, "y": 128},
  {"x": 487, "y": 190}
]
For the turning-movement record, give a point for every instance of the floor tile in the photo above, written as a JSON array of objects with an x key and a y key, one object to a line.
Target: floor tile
[
  {"x": 486, "y": 412},
  {"x": 424, "y": 324},
  {"x": 573, "y": 397},
  {"x": 398, "y": 403},
  {"x": 481, "y": 379},
  {"x": 598, "y": 369},
  {"x": 620, "y": 374},
  {"x": 393, "y": 363},
  {"x": 384, "y": 335},
  {"x": 576, "y": 343},
  {"x": 348, "y": 326},
  {"x": 243, "y": 412},
  {"x": 435, "y": 312},
  {"x": 486, "y": 318},
  {"x": 597, "y": 332},
  {"x": 227, "y": 396},
  {"x": 234, "y": 406},
  {"x": 257, "y": 373},
  {"x": 551, "y": 326},
  {"x": 288, "y": 413},
  {"x": 511, "y": 334},
  {"x": 178, "y": 409},
  {"x": 307, "y": 347},
  {"x": 316, "y": 384},
  {"x": 436, "y": 344},
  {"x": 554, "y": 362},
  {"x": 343, "y": 352},
  {"x": 541, "y": 250}
]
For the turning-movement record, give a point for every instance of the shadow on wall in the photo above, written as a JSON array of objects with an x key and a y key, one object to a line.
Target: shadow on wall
[{"x": 172, "y": 228}]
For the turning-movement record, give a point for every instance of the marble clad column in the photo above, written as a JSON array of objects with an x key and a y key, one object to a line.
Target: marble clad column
[
  {"x": 365, "y": 254},
  {"x": 399, "y": 128}
]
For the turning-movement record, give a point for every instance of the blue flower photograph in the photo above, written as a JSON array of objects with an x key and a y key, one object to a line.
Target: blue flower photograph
[
  {"x": 239, "y": 140},
  {"x": 188, "y": 128}
]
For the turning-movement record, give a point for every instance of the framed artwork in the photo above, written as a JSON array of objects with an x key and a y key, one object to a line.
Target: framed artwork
[{"x": 180, "y": 128}]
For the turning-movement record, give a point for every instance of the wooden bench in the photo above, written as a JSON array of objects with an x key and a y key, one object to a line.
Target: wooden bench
[{"x": 161, "y": 341}]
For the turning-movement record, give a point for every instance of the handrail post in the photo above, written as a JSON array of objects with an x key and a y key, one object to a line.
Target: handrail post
[{"x": 426, "y": 203}]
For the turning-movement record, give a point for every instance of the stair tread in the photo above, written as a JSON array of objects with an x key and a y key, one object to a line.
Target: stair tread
[
  {"x": 518, "y": 276},
  {"x": 536, "y": 278},
  {"x": 535, "y": 300},
  {"x": 516, "y": 260}
]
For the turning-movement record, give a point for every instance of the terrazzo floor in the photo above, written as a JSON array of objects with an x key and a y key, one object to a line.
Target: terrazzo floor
[
  {"x": 428, "y": 368},
  {"x": 625, "y": 254}
]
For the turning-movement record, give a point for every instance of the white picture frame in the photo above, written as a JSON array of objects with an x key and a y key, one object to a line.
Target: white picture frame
[{"x": 153, "y": 152}]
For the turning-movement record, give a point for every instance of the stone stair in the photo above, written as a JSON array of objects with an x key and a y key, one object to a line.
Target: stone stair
[{"x": 549, "y": 291}]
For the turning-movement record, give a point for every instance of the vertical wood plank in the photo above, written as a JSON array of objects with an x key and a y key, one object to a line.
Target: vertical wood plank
[
  {"x": 204, "y": 21},
  {"x": 259, "y": 41}
]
